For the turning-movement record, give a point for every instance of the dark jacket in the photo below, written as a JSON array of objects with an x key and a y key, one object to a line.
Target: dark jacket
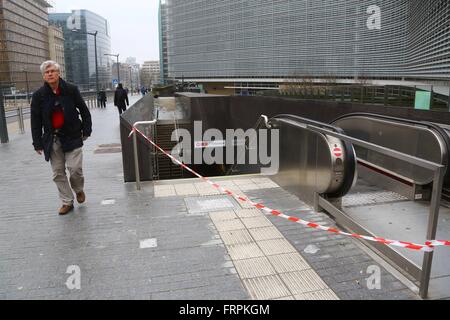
[
  {"x": 71, "y": 134},
  {"x": 121, "y": 98},
  {"x": 102, "y": 96}
]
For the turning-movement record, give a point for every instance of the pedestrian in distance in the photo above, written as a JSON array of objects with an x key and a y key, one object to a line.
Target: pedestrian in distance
[
  {"x": 121, "y": 99},
  {"x": 102, "y": 98},
  {"x": 59, "y": 133}
]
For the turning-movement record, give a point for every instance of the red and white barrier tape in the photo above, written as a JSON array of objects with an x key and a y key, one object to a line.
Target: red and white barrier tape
[{"x": 427, "y": 247}]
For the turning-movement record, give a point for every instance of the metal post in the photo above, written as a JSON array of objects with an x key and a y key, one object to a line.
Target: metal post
[
  {"x": 118, "y": 69},
  {"x": 400, "y": 96},
  {"x": 449, "y": 99},
  {"x": 96, "y": 68},
  {"x": 28, "y": 86},
  {"x": 136, "y": 162},
  {"x": 21, "y": 120},
  {"x": 3, "y": 127},
  {"x": 131, "y": 82},
  {"x": 386, "y": 95},
  {"x": 19, "y": 116},
  {"x": 432, "y": 98},
  {"x": 431, "y": 232}
]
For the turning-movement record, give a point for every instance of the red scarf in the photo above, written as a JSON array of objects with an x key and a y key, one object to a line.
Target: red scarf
[{"x": 58, "y": 113}]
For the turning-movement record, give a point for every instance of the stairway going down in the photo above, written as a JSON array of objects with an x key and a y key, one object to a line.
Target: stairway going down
[{"x": 166, "y": 168}]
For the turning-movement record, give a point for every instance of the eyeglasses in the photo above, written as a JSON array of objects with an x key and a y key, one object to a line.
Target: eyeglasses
[{"x": 51, "y": 71}]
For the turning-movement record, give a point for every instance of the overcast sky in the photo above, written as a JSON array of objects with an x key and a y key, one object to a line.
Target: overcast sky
[{"x": 133, "y": 23}]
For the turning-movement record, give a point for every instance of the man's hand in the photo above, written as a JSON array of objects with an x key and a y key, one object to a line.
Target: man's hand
[{"x": 40, "y": 152}]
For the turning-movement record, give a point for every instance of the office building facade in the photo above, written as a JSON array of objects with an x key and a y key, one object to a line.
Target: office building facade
[
  {"x": 253, "y": 40},
  {"x": 79, "y": 48},
  {"x": 150, "y": 73},
  {"x": 56, "y": 47},
  {"x": 23, "y": 43}
]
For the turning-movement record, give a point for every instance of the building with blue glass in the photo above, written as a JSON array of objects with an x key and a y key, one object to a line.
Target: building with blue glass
[{"x": 79, "y": 48}]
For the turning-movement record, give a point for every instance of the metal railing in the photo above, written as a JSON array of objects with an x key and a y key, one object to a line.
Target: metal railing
[
  {"x": 396, "y": 96},
  {"x": 424, "y": 273},
  {"x": 18, "y": 106}
]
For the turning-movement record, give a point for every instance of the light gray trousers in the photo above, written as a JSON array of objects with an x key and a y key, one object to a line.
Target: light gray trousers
[{"x": 74, "y": 162}]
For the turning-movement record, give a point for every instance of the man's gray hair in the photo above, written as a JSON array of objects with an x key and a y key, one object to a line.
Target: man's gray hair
[{"x": 50, "y": 63}]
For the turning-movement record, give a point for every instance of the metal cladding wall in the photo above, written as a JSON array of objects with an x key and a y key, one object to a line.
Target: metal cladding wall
[
  {"x": 285, "y": 38},
  {"x": 429, "y": 39}
]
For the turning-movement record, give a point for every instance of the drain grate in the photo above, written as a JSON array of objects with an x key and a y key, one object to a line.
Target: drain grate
[
  {"x": 371, "y": 198},
  {"x": 197, "y": 205}
]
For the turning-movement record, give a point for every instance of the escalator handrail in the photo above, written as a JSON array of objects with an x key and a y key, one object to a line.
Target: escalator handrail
[
  {"x": 350, "y": 155},
  {"x": 445, "y": 137}
]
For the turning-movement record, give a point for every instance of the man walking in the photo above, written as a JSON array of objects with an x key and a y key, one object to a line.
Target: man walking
[
  {"x": 58, "y": 132},
  {"x": 102, "y": 98},
  {"x": 121, "y": 99}
]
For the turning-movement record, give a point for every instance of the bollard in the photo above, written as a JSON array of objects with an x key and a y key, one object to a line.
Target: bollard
[
  {"x": 20, "y": 120},
  {"x": 3, "y": 127}
]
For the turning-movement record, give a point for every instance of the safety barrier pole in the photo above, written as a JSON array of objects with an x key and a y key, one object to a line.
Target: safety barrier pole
[
  {"x": 20, "y": 119},
  {"x": 136, "y": 162},
  {"x": 135, "y": 151},
  {"x": 432, "y": 230},
  {"x": 3, "y": 127}
]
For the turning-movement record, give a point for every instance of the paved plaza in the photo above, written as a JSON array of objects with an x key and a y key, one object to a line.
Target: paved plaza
[{"x": 174, "y": 240}]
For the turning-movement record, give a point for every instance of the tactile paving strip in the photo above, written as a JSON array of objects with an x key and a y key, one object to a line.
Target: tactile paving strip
[
  {"x": 267, "y": 233},
  {"x": 236, "y": 237},
  {"x": 264, "y": 288},
  {"x": 318, "y": 295},
  {"x": 253, "y": 268},
  {"x": 301, "y": 282},
  {"x": 290, "y": 262},
  {"x": 245, "y": 251}
]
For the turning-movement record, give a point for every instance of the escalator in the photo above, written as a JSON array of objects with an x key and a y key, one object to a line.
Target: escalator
[{"x": 421, "y": 139}]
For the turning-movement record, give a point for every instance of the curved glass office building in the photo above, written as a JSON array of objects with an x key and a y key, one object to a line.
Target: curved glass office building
[
  {"x": 232, "y": 39},
  {"x": 79, "y": 48}
]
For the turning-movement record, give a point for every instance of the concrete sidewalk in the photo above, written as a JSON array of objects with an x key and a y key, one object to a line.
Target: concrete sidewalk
[{"x": 172, "y": 240}]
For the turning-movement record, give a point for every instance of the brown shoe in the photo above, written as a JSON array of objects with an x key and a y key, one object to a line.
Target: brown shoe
[
  {"x": 81, "y": 197},
  {"x": 65, "y": 210}
]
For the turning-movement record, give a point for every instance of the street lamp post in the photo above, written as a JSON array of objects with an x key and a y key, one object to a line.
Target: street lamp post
[
  {"x": 131, "y": 80},
  {"x": 96, "y": 59},
  {"x": 118, "y": 66}
]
